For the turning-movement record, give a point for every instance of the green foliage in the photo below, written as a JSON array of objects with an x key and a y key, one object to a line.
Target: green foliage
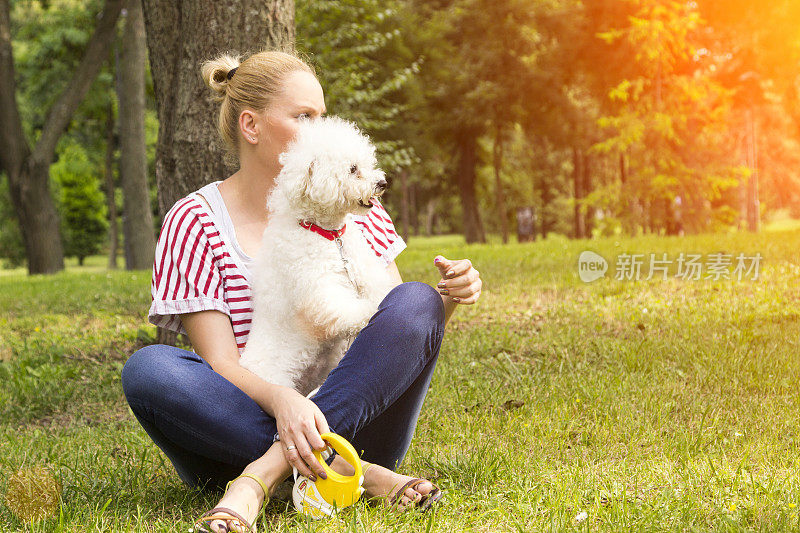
[
  {"x": 82, "y": 203},
  {"x": 660, "y": 89},
  {"x": 671, "y": 112},
  {"x": 49, "y": 38},
  {"x": 362, "y": 63}
]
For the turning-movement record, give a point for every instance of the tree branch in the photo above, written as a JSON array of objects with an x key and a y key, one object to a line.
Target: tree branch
[
  {"x": 61, "y": 113},
  {"x": 13, "y": 147}
]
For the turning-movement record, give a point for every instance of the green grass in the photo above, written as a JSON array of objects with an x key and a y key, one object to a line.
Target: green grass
[{"x": 650, "y": 406}]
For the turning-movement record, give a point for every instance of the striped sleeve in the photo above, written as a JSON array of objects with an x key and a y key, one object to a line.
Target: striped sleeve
[
  {"x": 379, "y": 230},
  {"x": 185, "y": 275}
]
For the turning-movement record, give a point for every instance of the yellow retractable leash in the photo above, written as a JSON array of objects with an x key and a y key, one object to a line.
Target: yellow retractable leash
[{"x": 320, "y": 498}]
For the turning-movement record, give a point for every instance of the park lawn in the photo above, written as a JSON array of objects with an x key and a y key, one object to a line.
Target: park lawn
[{"x": 653, "y": 405}]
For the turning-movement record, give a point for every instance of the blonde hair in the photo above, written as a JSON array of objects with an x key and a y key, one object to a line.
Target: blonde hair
[{"x": 254, "y": 85}]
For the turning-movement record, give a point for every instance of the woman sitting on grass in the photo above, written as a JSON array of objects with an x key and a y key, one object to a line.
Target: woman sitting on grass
[{"x": 214, "y": 419}]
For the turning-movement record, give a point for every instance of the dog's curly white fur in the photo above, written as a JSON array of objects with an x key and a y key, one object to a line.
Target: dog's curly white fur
[{"x": 308, "y": 306}]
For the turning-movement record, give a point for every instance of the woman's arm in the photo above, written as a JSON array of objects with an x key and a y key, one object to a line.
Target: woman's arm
[
  {"x": 449, "y": 304},
  {"x": 298, "y": 419},
  {"x": 211, "y": 335}
]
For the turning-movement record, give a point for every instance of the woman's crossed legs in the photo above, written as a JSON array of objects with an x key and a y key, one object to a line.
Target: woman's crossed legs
[{"x": 210, "y": 429}]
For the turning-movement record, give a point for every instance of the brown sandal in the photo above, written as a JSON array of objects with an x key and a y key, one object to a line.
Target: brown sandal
[
  {"x": 423, "y": 503},
  {"x": 229, "y": 516}
]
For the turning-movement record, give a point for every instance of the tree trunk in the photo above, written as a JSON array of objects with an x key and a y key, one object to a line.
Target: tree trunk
[
  {"x": 28, "y": 169},
  {"x": 165, "y": 336},
  {"x": 586, "y": 188},
  {"x": 465, "y": 178},
  {"x": 111, "y": 202},
  {"x": 36, "y": 213},
  {"x": 753, "y": 203},
  {"x": 404, "y": 201},
  {"x": 414, "y": 208},
  {"x": 180, "y": 35},
  {"x": 540, "y": 190},
  {"x": 544, "y": 217},
  {"x": 497, "y": 153},
  {"x": 137, "y": 219},
  {"x": 577, "y": 180},
  {"x": 430, "y": 215}
]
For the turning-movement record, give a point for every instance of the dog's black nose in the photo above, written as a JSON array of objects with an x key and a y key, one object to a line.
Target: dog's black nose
[{"x": 381, "y": 185}]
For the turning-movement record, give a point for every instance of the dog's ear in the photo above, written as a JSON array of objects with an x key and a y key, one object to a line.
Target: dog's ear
[{"x": 305, "y": 188}]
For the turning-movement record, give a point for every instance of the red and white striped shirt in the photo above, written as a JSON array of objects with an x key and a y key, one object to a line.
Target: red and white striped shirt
[{"x": 199, "y": 264}]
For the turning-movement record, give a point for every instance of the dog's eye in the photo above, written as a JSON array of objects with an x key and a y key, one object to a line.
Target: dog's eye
[{"x": 353, "y": 169}]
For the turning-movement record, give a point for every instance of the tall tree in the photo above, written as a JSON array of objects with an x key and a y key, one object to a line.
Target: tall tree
[
  {"x": 137, "y": 219},
  {"x": 670, "y": 122},
  {"x": 180, "y": 35},
  {"x": 26, "y": 166},
  {"x": 111, "y": 189},
  {"x": 83, "y": 217},
  {"x": 480, "y": 78}
]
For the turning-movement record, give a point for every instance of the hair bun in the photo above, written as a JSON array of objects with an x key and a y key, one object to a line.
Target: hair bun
[{"x": 217, "y": 72}]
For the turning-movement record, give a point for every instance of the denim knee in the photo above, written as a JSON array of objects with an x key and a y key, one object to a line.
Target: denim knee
[
  {"x": 150, "y": 369},
  {"x": 135, "y": 369},
  {"x": 417, "y": 309}
]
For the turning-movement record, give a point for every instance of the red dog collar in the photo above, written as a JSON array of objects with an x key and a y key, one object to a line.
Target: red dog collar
[{"x": 329, "y": 234}]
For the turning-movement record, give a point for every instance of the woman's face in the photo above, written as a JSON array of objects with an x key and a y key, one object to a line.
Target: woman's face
[{"x": 301, "y": 98}]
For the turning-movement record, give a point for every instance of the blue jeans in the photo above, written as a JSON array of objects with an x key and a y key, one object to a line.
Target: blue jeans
[{"x": 210, "y": 429}]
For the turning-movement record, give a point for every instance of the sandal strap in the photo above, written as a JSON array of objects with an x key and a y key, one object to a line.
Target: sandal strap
[
  {"x": 209, "y": 516},
  {"x": 365, "y": 466},
  {"x": 409, "y": 485},
  {"x": 257, "y": 480},
  {"x": 432, "y": 497}
]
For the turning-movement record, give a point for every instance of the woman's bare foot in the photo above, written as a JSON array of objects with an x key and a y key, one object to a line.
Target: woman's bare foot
[
  {"x": 380, "y": 482},
  {"x": 245, "y": 495}
]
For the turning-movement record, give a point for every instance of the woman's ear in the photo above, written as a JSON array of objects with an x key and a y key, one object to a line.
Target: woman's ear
[{"x": 248, "y": 126}]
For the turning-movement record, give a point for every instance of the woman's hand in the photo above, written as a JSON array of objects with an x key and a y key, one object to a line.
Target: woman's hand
[
  {"x": 300, "y": 423},
  {"x": 460, "y": 281}
]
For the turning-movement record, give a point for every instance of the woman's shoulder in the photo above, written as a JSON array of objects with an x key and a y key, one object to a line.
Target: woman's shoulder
[
  {"x": 188, "y": 210},
  {"x": 189, "y": 217},
  {"x": 191, "y": 207},
  {"x": 378, "y": 228},
  {"x": 377, "y": 220}
]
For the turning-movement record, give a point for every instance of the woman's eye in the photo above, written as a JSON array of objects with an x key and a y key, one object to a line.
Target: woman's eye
[{"x": 303, "y": 116}]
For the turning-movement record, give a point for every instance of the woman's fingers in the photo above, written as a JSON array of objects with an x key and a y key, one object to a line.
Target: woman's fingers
[
  {"x": 311, "y": 435},
  {"x": 466, "y": 295},
  {"x": 470, "y": 299},
  {"x": 293, "y": 457},
  {"x": 322, "y": 424},
  {"x": 458, "y": 268},
  {"x": 306, "y": 438},
  {"x": 310, "y": 458},
  {"x": 461, "y": 281}
]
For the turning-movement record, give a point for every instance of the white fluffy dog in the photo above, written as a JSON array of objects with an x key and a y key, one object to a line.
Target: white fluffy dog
[{"x": 313, "y": 293}]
